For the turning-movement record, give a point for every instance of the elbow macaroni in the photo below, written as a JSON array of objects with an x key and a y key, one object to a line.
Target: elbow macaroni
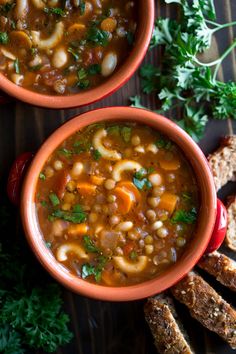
[
  {"x": 98, "y": 145},
  {"x": 64, "y": 249},
  {"x": 129, "y": 267},
  {"x": 51, "y": 41},
  {"x": 124, "y": 165}
]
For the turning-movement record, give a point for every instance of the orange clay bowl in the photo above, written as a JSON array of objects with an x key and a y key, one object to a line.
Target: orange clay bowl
[
  {"x": 123, "y": 74},
  {"x": 206, "y": 220}
]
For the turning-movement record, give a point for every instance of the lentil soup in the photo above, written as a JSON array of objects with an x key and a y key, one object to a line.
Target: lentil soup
[
  {"x": 117, "y": 204},
  {"x": 62, "y": 47}
]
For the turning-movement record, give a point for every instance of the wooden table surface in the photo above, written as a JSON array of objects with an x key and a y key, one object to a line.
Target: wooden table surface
[{"x": 103, "y": 327}]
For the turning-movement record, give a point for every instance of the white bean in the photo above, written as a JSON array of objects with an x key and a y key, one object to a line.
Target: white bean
[
  {"x": 152, "y": 148},
  {"x": 156, "y": 225},
  {"x": 59, "y": 58},
  {"x": 58, "y": 165},
  {"x": 109, "y": 184},
  {"x": 109, "y": 64},
  {"x": 124, "y": 226},
  {"x": 155, "y": 179},
  {"x": 77, "y": 169},
  {"x": 135, "y": 140},
  {"x": 139, "y": 149},
  {"x": 153, "y": 202}
]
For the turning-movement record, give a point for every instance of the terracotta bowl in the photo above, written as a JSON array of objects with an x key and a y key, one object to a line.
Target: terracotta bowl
[
  {"x": 144, "y": 33},
  {"x": 206, "y": 236}
]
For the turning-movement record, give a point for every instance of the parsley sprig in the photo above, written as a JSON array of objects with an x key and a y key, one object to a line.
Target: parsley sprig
[{"x": 184, "y": 79}]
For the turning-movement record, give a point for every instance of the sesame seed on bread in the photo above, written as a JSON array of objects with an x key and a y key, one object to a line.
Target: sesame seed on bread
[
  {"x": 207, "y": 306},
  {"x": 168, "y": 333},
  {"x": 221, "y": 267}
]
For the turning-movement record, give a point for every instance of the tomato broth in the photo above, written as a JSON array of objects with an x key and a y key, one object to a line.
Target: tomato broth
[{"x": 117, "y": 204}]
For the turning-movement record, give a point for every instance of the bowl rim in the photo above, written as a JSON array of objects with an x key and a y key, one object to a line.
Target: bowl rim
[
  {"x": 207, "y": 212},
  {"x": 112, "y": 84}
]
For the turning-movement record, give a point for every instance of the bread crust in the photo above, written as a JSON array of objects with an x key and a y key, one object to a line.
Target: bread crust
[
  {"x": 230, "y": 238},
  {"x": 169, "y": 336},
  {"x": 223, "y": 162},
  {"x": 221, "y": 267},
  {"x": 207, "y": 306}
]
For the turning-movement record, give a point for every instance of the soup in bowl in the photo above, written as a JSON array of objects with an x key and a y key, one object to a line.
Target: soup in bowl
[
  {"x": 119, "y": 204},
  {"x": 55, "y": 48}
]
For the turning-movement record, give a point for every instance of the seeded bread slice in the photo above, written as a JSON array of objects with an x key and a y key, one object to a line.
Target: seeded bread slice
[
  {"x": 207, "y": 306},
  {"x": 230, "y": 238},
  {"x": 167, "y": 331},
  {"x": 221, "y": 267},
  {"x": 223, "y": 162}
]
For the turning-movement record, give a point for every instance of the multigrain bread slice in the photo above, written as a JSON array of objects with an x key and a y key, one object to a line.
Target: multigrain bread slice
[
  {"x": 206, "y": 306},
  {"x": 168, "y": 333},
  {"x": 221, "y": 267},
  {"x": 230, "y": 238},
  {"x": 223, "y": 162}
]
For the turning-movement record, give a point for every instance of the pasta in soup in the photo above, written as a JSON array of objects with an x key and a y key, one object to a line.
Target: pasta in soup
[
  {"x": 117, "y": 204},
  {"x": 64, "y": 46}
]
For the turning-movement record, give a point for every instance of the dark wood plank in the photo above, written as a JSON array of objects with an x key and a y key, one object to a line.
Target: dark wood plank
[{"x": 102, "y": 327}]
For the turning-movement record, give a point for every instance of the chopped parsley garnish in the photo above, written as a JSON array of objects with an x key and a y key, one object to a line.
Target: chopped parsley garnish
[
  {"x": 133, "y": 255},
  {"x": 54, "y": 11},
  {"x": 65, "y": 152},
  {"x": 140, "y": 174},
  {"x": 97, "y": 36},
  {"x": 94, "y": 69},
  {"x": 83, "y": 84},
  {"x": 89, "y": 245},
  {"x": 150, "y": 170},
  {"x": 42, "y": 176},
  {"x": 140, "y": 180},
  {"x": 44, "y": 203},
  {"x": 54, "y": 199},
  {"x": 82, "y": 7},
  {"x": 162, "y": 143},
  {"x": 95, "y": 270},
  {"x": 4, "y": 38},
  {"x": 73, "y": 53},
  {"x": 17, "y": 66},
  {"x": 187, "y": 217},
  {"x": 186, "y": 196},
  {"x": 48, "y": 244},
  {"x": 76, "y": 216},
  {"x": 82, "y": 74},
  {"x": 126, "y": 134},
  {"x": 140, "y": 184},
  {"x": 82, "y": 79},
  {"x": 35, "y": 68},
  {"x": 96, "y": 155}
]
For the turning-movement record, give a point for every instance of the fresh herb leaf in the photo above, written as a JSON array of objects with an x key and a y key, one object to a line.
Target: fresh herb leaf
[
  {"x": 140, "y": 173},
  {"x": 76, "y": 216},
  {"x": 183, "y": 80},
  {"x": 7, "y": 7},
  {"x": 17, "y": 66},
  {"x": 96, "y": 155},
  {"x": 95, "y": 270},
  {"x": 97, "y": 36},
  {"x": 35, "y": 68},
  {"x": 48, "y": 244},
  {"x": 55, "y": 11},
  {"x": 4, "y": 38},
  {"x": 150, "y": 170},
  {"x": 162, "y": 143},
  {"x": 126, "y": 134},
  {"x": 140, "y": 184},
  {"x": 187, "y": 217},
  {"x": 94, "y": 69},
  {"x": 83, "y": 84},
  {"x": 82, "y": 74},
  {"x": 89, "y": 245},
  {"x": 133, "y": 255},
  {"x": 67, "y": 153},
  {"x": 186, "y": 196},
  {"x": 42, "y": 176},
  {"x": 82, "y": 7},
  {"x": 54, "y": 199},
  {"x": 44, "y": 203},
  {"x": 74, "y": 54}
]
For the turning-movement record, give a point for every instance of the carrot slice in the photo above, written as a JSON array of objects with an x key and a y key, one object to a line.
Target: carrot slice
[
  {"x": 170, "y": 165},
  {"x": 86, "y": 189},
  {"x": 107, "y": 278},
  {"x": 130, "y": 187},
  {"x": 168, "y": 202},
  {"x": 79, "y": 229},
  {"x": 98, "y": 180},
  {"x": 124, "y": 200}
]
